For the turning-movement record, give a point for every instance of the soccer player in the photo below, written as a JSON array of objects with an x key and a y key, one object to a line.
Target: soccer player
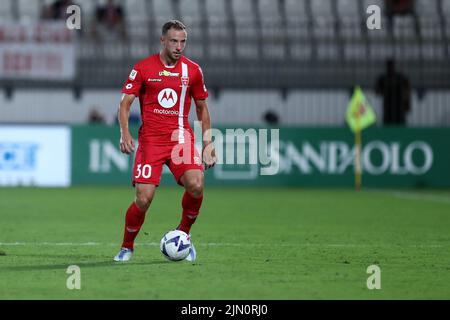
[{"x": 165, "y": 83}]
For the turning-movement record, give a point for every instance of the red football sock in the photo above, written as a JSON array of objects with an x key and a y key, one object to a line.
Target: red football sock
[
  {"x": 133, "y": 223},
  {"x": 191, "y": 208}
]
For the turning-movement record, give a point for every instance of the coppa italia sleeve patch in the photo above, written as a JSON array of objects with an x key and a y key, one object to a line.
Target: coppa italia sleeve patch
[{"x": 133, "y": 74}]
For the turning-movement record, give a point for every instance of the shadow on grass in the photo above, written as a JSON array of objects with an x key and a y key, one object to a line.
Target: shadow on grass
[{"x": 64, "y": 266}]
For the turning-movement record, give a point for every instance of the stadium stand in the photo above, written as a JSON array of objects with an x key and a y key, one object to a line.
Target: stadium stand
[
  {"x": 291, "y": 48},
  {"x": 272, "y": 31}
]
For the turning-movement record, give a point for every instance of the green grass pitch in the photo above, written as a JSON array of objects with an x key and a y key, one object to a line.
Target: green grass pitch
[{"x": 252, "y": 243}]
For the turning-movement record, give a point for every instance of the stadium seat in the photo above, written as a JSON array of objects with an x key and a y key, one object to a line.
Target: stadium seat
[
  {"x": 324, "y": 28},
  {"x": 215, "y": 9},
  {"x": 217, "y": 18},
  {"x": 380, "y": 51},
  {"x": 430, "y": 28},
  {"x": 247, "y": 33},
  {"x": 446, "y": 15},
  {"x": 324, "y": 19},
  {"x": 163, "y": 11},
  {"x": 408, "y": 51},
  {"x": 427, "y": 8},
  {"x": 272, "y": 30},
  {"x": 295, "y": 9},
  {"x": 300, "y": 51},
  {"x": 87, "y": 9},
  {"x": 244, "y": 18},
  {"x": 192, "y": 17},
  {"x": 379, "y": 3},
  {"x": 5, "y": 10},
  {"x": 349, "y": 17},
  {"x": 297, "y": 24},
  {"x": 323, "y": 8},
  {"x": 433, "y": 51},
  {"x": 355, "y": 51},
  {"x": 446, "y": 9},
  {"x": 348, "y": 9},
  {"x": 404, "y": 27},
  {"x": 351, "y": 30},
  {"x": 29, "y": 10}
]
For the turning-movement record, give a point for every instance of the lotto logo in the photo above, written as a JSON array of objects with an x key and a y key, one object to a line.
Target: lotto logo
[{"x": 167, "y": 98}]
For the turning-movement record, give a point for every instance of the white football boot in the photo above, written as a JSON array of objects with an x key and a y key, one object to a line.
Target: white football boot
[
  {"x": 192, "y": 253},
  {"x": 124, "y": 254}
]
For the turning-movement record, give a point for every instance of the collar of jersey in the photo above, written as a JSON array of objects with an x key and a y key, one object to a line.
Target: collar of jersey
[{"x": 168, "y": 67}]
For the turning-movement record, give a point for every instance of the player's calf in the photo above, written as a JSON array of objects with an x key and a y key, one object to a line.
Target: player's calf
[{"x": 191, "y": 209}]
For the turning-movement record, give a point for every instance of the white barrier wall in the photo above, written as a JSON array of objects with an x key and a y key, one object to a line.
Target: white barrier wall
[{"x": 247, "y": 107}]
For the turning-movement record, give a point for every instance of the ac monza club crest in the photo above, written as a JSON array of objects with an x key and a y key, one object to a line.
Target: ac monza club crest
[
  {"x": 185, "y": 81},
  {"x": 167, "y": 98}
]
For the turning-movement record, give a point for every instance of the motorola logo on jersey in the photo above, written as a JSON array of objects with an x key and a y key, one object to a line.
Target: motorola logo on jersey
[{"x": 167, "y": 98}]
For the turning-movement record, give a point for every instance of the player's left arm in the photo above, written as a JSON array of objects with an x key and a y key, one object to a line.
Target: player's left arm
[{"x": 208, "y": 153}]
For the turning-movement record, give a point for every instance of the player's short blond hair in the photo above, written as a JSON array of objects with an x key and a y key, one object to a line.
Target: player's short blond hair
[{"x": 175, "y": 24}]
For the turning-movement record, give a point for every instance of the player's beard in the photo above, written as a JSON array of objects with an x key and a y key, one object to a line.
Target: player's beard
[
  {"x": 175, "y": 57},
  {"x": 170, "y": 56}
]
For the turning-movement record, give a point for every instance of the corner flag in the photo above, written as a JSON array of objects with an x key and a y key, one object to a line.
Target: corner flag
[{"x": 360, "y": 114}]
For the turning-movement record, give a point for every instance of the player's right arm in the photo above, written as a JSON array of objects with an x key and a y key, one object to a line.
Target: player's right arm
[
  {"x": 126, "y": 140},
  {"x": 130, "y": 91}
]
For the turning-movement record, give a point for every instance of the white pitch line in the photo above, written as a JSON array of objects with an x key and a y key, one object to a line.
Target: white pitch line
[
  {"x": 224, "y": 244},
  {"x": 421, "y": 197},
  {"x": 52, "y": 244},
  {"x": 417, "y": 196}
]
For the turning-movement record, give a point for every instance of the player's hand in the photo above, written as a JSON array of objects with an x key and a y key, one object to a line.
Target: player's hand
[
  {"x": 126, "y": 143},
  {"x": 209, "y": 155}
]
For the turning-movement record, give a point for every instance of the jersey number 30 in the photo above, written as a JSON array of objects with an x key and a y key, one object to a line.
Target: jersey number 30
[{"x": 145, "y": 172}]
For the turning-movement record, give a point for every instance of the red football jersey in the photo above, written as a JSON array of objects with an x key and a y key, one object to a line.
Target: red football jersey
[{"x": 165, "y": 98}]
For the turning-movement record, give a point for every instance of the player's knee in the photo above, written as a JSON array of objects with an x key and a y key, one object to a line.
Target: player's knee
[
  {"x": 195, "y": 187},
  {"x": 143, "y": 200}
]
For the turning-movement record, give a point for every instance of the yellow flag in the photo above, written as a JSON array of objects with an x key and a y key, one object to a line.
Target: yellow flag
[{"x": 360, "y": 114}]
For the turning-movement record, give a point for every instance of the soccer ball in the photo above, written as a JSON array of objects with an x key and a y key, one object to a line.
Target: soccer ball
[{"x": 175, "y": 245}]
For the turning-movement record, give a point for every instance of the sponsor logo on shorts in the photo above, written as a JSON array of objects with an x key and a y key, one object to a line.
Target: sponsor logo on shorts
[{"x": 167, "y": 98}]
